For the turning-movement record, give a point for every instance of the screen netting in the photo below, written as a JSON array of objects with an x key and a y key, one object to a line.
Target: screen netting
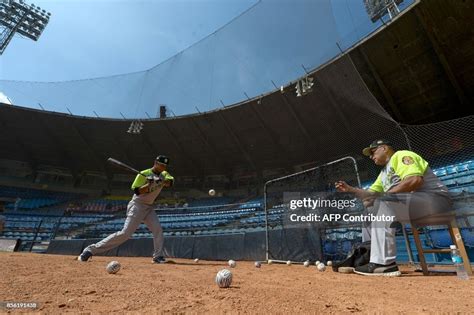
[
  {"x": 443, "y": 143},
  {"x": 449, "y": 148},
  {"x": 300, "y": 210}
]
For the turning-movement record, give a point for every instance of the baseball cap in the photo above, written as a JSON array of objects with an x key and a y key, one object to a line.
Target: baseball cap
[
  {"x": 368, "y": 151},
  {"x": 162, "y": 159}
]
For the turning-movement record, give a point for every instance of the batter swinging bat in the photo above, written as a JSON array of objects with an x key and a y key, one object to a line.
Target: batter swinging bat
[{"x": 124, "y": 166}]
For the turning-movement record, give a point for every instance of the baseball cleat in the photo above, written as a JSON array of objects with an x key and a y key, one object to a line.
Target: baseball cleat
[
  {"x": 372, "y": 269},
  {"x": 84, "y": 256},
  {"x": 159, "y": 260}
]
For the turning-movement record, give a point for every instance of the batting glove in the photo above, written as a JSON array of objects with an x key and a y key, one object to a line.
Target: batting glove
[
  {"x": 154, "y": 179},
  {"x": 167, "y": 178}
]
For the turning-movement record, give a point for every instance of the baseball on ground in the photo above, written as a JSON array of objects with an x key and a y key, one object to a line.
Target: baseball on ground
[
  {"x": 321, "y": 267},
  {"x": 224, "y": 278},
  {"x": 113, "y": 267}
]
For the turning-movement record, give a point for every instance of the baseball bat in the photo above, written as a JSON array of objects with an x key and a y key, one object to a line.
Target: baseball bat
[{"x": 124, "y": 166}]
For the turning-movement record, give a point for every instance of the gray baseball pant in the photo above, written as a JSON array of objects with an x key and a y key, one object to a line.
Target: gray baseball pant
[
  {"x": 405, "y": 207},
  {"x": 136, "y": 214}
]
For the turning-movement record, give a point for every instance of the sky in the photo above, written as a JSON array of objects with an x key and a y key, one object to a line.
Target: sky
[
  {"x": 208, "y": 43},
  {"x": 96, "y": 38}
]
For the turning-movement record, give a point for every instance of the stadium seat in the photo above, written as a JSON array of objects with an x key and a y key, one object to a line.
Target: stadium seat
[
  {"x": 451, "y": 169},
  {"x": 439, "y": 238},
  {"x": 468, "y": 236}
]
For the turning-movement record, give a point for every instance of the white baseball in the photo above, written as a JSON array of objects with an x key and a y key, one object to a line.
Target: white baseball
[
  {"x": 113, "y": 267},
  {"x": 321, "y": 267},
  {"x": 212, "y": 192},
  {"x": 196, "y": 260},
  {"x": 329, "y": 263},
  {"x": 232, "y": 263},
  {"x": 270, "y": 262},
  {"x": 258, "y": 264},
  {"x": 306, "y": 263},
  {"x": 317, "y": 263},
  {"x": 288, "y": 262},
  {"x": 224, "y": 278}
]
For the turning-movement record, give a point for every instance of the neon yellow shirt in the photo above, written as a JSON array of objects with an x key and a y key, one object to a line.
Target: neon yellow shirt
[
  {"x": 402, "y": 164},
  {"x": 155, "y": 189},
  {"x": 141, "y": 180}
]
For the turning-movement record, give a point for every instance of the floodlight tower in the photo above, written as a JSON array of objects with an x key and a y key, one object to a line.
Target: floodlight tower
[
  {"x": 18, "y": 17},
  {"x": 379, "y": 8}
]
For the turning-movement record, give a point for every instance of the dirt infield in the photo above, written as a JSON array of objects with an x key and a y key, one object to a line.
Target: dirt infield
[{"x": 62, "y": 284}]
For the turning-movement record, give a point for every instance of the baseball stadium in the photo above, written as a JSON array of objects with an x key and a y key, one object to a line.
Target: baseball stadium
[{"x": 303, "y": 157}]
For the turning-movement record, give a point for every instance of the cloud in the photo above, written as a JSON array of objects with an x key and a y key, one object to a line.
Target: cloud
[{"x": 4, "y": 99}]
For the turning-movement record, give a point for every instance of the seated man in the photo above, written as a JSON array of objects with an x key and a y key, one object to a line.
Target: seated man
[{"x": 406, "y": 188}]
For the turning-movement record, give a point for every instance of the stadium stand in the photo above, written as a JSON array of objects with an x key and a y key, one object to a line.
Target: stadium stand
[
  {"x": 34, "y": 198},
  {"x": 209, "y": 202},
  {"x": 103, "y": 205},
  {"x": 170, "y": 202},
  {"x": 36, "y": 227},
  {"x": 206, "y": 216},
  {"x": 459, "y": 177},
  {"x": 186, "y": 221}
]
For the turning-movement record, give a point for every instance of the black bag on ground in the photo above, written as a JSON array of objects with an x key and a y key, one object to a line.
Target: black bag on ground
[{"x": 358, "y": 256}]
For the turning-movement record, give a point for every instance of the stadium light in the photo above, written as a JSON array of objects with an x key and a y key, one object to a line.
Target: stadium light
[
  {"x": 376, "y": 9},
  {"x": 298, "y": 89},
  {"x": 307, "y": 85},
  {"x": 135, "y": 127},
  {"x": 18, "y": 17},
  {"x": 393, "y": 9},
  {"x": 304, "y": 86}
]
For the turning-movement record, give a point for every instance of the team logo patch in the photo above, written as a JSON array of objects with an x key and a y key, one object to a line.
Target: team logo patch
[{"x": 407, "y": 160}]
